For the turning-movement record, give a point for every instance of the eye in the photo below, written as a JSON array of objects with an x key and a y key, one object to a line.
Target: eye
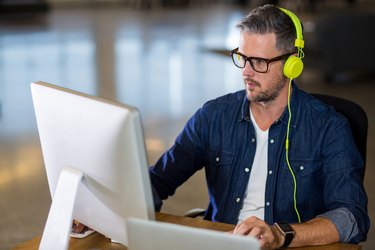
[{"x": 259, "y": 61}]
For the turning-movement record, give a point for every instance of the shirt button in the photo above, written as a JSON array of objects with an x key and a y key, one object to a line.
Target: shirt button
[
  {"x": 238, "y": 200},
  {"x": 247, "y": 170},
  {"x": 270, "y": 172},
  {"x": 268, "y": 204},
  {"x": 272, "y": 141},
  {"x": 217, "y": 159},
  {"x": 301, "y": 168},
  {"x": 252, "y": 139}
]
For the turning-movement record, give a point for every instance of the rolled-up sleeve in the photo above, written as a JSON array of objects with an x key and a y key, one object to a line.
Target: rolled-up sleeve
[{"x": 345, "y": 223}]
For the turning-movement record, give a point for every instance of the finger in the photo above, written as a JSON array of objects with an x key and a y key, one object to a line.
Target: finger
[
  {"x": 267, "y": 241},
  {"x": 79, "y": 228},
  {"x": 75, "y": 223},
  {"x": 265, "y": 246},
  {"x": 243, "y": 229},
  {"x": 256, "y": 232},
  {"x": 264, "y": 243},
  {"x": 245, "y": 226}
]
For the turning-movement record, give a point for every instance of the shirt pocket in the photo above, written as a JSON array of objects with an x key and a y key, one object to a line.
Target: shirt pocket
[
  {"x": 218, "y": 166},
  {"x": 310, "y": 181}
]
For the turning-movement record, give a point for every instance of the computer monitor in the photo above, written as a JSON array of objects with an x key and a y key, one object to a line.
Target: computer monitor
[
  {"x": 96, "y": 164},
  {"x": 154, "y": 235}
]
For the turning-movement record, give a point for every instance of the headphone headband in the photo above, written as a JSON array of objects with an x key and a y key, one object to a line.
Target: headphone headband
[
  {"x": 299, "y": 42},
  {"x": 293, "y": 66}
]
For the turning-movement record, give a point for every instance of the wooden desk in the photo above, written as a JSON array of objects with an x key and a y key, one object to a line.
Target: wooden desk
[{"x": 98, "y": 241}]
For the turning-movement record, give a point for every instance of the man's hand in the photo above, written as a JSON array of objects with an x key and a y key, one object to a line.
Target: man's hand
[
  {"x": 80, "y": 230},
  {"x": 78, "y": 227},
  {"x": 268, "y": 236}
]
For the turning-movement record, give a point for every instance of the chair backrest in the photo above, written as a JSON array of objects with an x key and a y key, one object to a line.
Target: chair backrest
[{"x": 356, "y": 116}]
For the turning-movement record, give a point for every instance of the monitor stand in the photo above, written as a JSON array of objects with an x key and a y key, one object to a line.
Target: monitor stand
[{"x": 56, "y": 233}]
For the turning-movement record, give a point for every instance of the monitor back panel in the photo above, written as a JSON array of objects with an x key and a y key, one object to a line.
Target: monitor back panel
[{"x": 105, "y": 141}]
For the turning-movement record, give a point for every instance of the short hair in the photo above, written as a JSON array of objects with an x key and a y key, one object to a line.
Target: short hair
[{"x": 270, "y": 19}]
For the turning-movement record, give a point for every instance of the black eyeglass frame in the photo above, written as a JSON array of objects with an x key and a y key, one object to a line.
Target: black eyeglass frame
[{"x": 249, "y": 59}]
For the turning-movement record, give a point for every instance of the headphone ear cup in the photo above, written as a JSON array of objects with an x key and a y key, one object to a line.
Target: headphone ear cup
[{"x": 293, "y": 67}]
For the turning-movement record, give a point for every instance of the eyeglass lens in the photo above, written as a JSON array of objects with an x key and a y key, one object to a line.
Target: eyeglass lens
[{"x": 258, "y": 64}]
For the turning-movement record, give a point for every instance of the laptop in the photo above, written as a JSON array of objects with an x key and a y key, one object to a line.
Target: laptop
[{"x": 154, "y": 235}]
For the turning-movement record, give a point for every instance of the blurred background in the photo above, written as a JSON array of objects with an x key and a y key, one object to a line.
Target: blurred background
[{"x": 167, "y": 58}]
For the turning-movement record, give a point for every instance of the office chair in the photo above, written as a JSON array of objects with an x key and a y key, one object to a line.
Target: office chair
[
  {"x": 357, "y": 119},
  {"x": 356, "y": 116}
]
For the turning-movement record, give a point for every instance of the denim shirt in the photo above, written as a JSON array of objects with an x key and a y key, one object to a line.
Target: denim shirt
[{"x": 220, "y": 138}]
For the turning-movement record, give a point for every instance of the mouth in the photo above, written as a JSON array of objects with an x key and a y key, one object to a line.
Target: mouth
[{"x": 251, "y": 84}]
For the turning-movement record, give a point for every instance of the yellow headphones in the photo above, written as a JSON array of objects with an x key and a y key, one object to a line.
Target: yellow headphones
[
  {"x": 292, "y": 69},
  {"x": 293, "y": 65}
]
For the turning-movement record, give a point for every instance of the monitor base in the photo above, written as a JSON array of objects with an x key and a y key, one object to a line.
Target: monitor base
[{"x": 56, "y": 233}]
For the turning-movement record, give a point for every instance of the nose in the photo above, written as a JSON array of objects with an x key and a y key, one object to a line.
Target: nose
[{"x": 248, "y": 70}]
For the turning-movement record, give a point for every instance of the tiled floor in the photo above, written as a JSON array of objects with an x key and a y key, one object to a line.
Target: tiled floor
[{"x": 161, "y": 60}]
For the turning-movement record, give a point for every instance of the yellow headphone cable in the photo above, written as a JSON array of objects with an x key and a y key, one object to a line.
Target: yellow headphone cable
[{"x": 287, "y": 154}]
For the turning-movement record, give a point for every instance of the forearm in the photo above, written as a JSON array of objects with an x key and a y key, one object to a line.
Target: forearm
[{"x": 318, "y": 231}]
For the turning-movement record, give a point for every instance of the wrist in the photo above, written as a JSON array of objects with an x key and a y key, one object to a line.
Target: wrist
[
  {"x": 279, "y": 237},
  {"x": 285, "y": 233}
]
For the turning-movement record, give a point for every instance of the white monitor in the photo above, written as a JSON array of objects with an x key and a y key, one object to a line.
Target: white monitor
[{"x": 95, "y": 160}]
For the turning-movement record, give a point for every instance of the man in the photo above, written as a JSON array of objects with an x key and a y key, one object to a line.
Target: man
[{"x": 253, "y": 181}]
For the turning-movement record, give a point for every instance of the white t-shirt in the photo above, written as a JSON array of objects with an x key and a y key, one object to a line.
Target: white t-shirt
[{"x": 254, "y": 198}]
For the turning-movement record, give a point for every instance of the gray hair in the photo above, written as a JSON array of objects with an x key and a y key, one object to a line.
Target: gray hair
[{"x": 270, "y": 19}]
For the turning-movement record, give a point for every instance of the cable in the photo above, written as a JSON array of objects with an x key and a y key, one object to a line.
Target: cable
[{"x": 287, "y": 154}]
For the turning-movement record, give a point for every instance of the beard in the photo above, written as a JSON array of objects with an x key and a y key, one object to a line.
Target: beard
[{"x": 266, "y": 95}]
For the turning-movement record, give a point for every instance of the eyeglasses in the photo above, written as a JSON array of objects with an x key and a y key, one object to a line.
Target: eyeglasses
[{"x": 258, "y": 64}]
